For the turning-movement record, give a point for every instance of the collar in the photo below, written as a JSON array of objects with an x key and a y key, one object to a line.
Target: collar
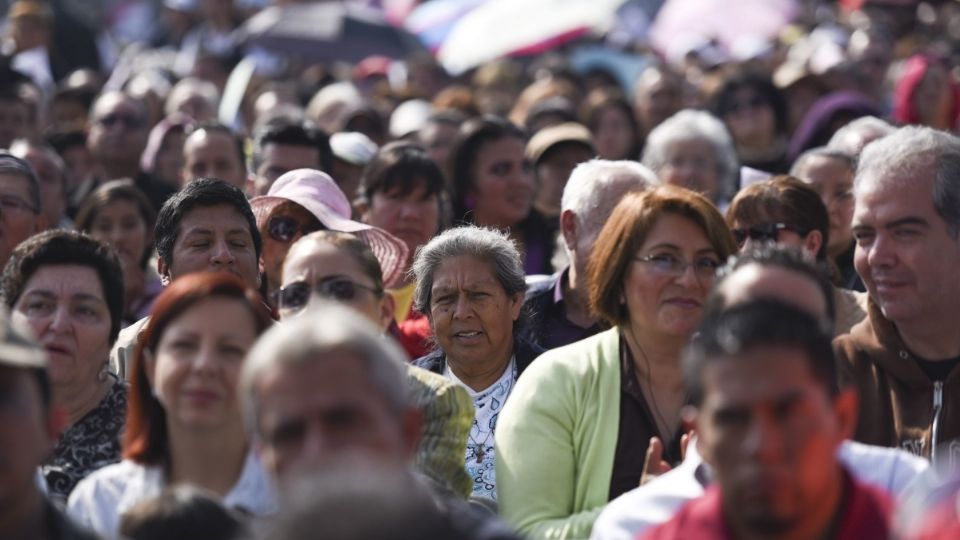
[{"x": 558, "y": 286}]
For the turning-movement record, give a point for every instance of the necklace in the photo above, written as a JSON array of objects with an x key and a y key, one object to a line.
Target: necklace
[{"x": 663, "y": 426}]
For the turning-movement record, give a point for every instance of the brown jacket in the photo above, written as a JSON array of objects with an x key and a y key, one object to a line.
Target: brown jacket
[{"x": 899, "y": 405}]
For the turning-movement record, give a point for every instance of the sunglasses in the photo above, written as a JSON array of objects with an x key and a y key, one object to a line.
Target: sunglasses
[
  {"x": 125, "y": 120},
  {"x": 296, "y": 295},
  {"x": 764, "y": 232},
  {"x": 285, "y": 229}
]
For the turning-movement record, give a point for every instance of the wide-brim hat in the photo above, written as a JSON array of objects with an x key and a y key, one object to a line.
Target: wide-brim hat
[{"x": 319, "y": 194}]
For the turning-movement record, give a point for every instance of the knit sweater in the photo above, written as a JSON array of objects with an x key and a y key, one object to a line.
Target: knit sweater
[{"x": 556, "y": 438}]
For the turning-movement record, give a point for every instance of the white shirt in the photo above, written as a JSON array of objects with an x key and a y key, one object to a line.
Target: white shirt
[
  {"x": 480, "y": 459},
  {"x": 100, "y": 500},
  {"x": 632, "y": 513}
]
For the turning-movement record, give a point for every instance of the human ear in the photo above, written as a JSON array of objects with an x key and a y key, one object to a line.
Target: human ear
[
  {"x": 568, "y": 227},
  {"x": 164, "y": 271},
  {"x": 846, "y": 408},
  {"x": 812, "y": 242}
]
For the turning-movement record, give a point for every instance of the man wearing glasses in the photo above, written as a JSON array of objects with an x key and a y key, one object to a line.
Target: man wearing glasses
[
  {"x": 118, "y": 135},
  {"x": 20, "y": 215}
]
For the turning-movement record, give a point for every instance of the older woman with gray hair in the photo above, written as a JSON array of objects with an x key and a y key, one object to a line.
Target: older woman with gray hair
[
  {"x": 470, "y": 284},
  {"x": 694, "y": 150}
]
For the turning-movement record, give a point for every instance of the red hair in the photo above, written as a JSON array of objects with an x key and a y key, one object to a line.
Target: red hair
[{"x": 145, "y": 434}]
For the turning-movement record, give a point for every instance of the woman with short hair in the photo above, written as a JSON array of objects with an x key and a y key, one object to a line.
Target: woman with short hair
[
  {"x": 68, "y": 287},
  {"x": 470, "y": 283}
]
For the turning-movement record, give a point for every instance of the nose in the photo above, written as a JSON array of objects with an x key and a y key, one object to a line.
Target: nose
[
  {"x": 880, "y": 252},
  {"x": 461, "y": 310},
  {"x": 688, "y": 276},
  {"x": 61, "y": 320},
  {"x": 222, "y": 254},
  {"x": 763, "y": 442},
  {"x": 206, "y": 359}
]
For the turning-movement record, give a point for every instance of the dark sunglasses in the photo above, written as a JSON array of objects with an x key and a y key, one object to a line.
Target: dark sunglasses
[
  {"x": 125, "y": 120},
  {"x": 296, "y": 295},
  {"x": 764, "y": 232},
  {"x": 285, "y": 229}
]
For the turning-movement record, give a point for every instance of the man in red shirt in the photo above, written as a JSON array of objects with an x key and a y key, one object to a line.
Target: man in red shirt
[{"x": 770, "y": 417}]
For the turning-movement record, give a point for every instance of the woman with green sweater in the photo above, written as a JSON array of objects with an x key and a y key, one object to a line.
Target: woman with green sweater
[{"x": 587, "y": 422}]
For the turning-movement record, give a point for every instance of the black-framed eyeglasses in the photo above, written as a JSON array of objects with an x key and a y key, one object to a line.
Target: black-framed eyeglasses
[
  {"x": 769, "y": 232},
  {"x": 668, "y": 264},
  {"x": 285, "y": 229},
  {"x": 127, "y": 121},
  {"x": 296, "y": 295}
]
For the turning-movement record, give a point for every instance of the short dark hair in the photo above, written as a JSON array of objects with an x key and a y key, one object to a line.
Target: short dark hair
[
  {"x": 62, "y": 247},
  {"x": 204, "y": 192},
  {"x": 293, "y": 133},
  {"x": 473, "y": 135},
  {"x": 217, "y": 127},
  {"x": 182, "y": 512},
  {"x": 117, "y": 190},
  {"x": 722, "y": 99},
  {"x": 786, "y": 199},
  {"x": 11, "y": 164},
  {"x": 402, "y": 165},
  {"x": 775, "y": 256},
  {"x": 760, "y": 323}
]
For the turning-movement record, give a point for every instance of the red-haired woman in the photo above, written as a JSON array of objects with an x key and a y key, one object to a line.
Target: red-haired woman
[{"x": 184, "y": 424}]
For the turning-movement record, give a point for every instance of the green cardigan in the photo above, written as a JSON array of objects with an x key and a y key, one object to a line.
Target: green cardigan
[{"x": 556, "y": 438}]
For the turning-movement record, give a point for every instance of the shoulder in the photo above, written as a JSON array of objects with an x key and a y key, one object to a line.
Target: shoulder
[
  {"x": 890, "y": 469},
  {"x": 591, "y": 355},
  {"x": 432, "y": 361},
  {"x": 98, "y": 499},
  {"x": 431, "y": 390}
]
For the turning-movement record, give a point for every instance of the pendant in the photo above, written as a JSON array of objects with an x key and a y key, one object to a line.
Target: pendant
[{"x": 479, "y": 453}]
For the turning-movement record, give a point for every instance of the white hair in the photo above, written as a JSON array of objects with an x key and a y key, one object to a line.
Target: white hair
[
  {"x": 592, "y": 183},
  {"x": 852, "y": 137},
  {"x": 690, "y": 124},
  {"x": 900, "y": 156}
]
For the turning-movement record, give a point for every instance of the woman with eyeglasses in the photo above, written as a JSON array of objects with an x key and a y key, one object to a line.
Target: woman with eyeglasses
[
  {"x": 184, "y": 424},
  {"x": 785, "y": 210},
  {"x": 68, "y": 287},
  {"x": 306, "y": 200},
  {"x": 120, "y": 215},
  {"x": 592, "y": 420},
  {"x": 339, "y": 267}
]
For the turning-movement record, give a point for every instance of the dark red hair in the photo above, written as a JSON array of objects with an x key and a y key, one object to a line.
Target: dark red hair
[{"x": 145, "y": 435}]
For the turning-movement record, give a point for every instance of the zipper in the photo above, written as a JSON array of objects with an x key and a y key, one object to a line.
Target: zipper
[{"x": 937, "y": 409}]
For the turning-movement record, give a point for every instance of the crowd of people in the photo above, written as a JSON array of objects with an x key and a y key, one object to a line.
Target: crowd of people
[{"x": 373, "y": 299}]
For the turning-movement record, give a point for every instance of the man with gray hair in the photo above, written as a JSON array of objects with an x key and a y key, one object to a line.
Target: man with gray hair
[
  {"x": 559, "y": 305},
  {"x": 903, "y": 356},
  {"x": 326, "y": 389}
]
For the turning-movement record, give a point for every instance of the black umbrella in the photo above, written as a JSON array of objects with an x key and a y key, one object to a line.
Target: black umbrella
[{"x": 327, "y": 31}]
